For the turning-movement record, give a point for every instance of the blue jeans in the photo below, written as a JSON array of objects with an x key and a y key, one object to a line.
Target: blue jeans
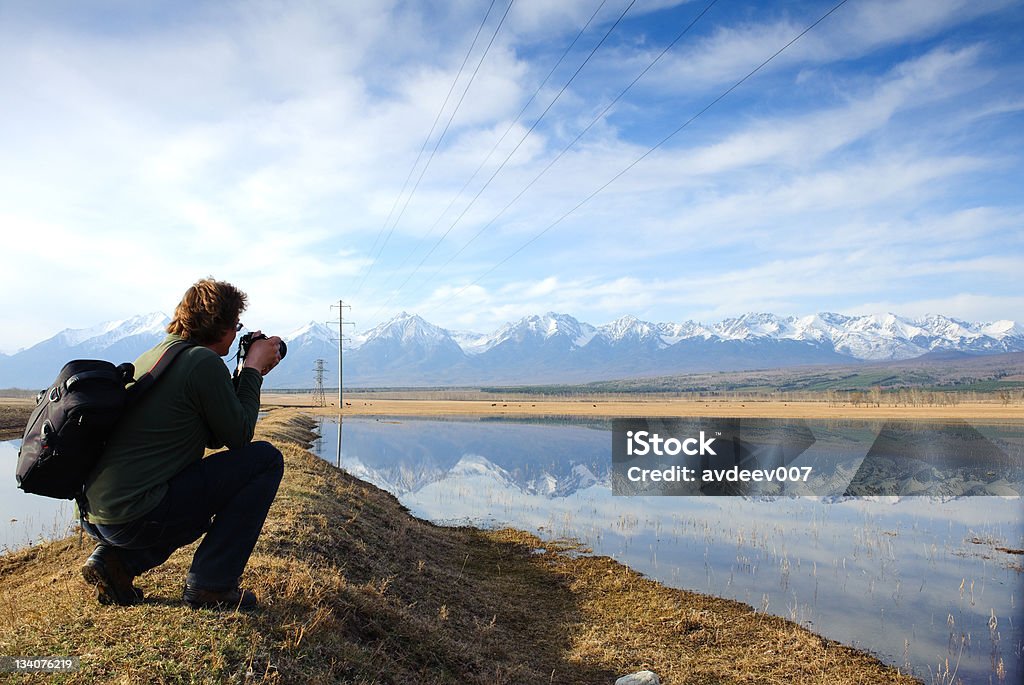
[{"x": 226, "y": 496}]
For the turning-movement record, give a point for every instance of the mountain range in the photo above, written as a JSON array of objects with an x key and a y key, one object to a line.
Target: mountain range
[{"x": 551, "y": 348}]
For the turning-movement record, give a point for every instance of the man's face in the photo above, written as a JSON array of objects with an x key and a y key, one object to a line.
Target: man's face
[{"x": 223, "y": 346}]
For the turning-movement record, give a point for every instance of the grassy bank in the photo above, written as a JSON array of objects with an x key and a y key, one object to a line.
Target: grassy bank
[{"x": 357, "y": 591}]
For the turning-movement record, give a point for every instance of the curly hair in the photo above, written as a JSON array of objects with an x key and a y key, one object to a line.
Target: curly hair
[{"x": 207, "y": 310}]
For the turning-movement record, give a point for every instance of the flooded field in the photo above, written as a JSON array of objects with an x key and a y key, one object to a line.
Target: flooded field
[
  {"x": 927, "y": 584},
  {"x": 26, "y": 519},
  {"x": 933, "y": 585}
]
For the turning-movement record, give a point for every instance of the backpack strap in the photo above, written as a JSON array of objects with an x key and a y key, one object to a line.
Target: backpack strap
[
  {"x": 135, "y": 392},
  {"x": 147, "y": 379}
]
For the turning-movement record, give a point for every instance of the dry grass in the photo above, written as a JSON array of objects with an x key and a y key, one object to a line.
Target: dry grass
[
  {"x": 358, "y": 591},
  {"x": 597, "y": 407},
  {"x": 14, "y": 414}
]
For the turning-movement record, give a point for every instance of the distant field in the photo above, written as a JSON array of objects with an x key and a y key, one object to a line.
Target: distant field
[
  {"x": 370, "y": 404},
  {"x": 14, "y": 412},
  {"x": 996, "y": 375},
  {"x": 977, "y": 388},
  {"x": 916, "y": 382},
  {"x": 13, "y": 416}
]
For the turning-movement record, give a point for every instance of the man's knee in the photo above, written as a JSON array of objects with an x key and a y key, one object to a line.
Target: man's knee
[{"x": 269, "y": 456}]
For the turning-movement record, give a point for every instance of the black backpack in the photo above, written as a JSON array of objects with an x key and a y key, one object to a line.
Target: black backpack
[{"x": 72, "y": 420}]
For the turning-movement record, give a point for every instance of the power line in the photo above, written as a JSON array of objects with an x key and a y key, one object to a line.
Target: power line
[
  {"x": 440, "y": 138},
  {"x": 508, "y": 157},
  {"x": 557, "y": 157},
  {"x": 644, "y": 155},
  {"x": 450, "y": 118},
  {"x": 511, "y": 125},
  {"x": 425, "y": 141}
]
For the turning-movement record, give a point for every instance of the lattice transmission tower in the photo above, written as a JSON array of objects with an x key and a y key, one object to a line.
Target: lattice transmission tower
[{"x": 319, "y": 399}]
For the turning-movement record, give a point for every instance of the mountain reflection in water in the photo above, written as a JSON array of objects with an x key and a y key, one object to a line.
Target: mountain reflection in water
[{"x": 914, "y": 580}]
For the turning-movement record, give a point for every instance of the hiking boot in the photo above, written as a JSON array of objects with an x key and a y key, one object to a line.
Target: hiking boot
[
  {"x": 237, "y": 599},
  {"x": 111, "y": 579}
]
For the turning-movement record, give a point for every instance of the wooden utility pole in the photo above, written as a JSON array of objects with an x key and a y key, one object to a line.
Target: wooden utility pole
[{"x": 341, "y": 343}]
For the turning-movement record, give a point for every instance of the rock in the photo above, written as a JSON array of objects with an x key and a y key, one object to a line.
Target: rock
[{"x": 639, "y": 678}]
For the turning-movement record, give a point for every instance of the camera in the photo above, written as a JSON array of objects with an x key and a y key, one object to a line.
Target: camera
[
  {"x": 249, "y": 338},
  {"x": 245, "y": 342}
]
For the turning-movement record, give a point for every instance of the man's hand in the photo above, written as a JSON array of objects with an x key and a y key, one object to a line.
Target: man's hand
[{"x": 263, "y": 355}]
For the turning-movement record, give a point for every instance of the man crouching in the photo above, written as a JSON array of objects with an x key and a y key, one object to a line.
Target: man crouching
[{"x": 153, "y": 492}]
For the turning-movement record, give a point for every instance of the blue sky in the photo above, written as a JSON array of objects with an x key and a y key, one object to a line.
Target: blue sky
[{"x": 874, "y": 166}]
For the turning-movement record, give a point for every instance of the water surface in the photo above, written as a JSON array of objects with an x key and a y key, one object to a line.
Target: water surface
[
  {"x": 915, "y": 580},
  {"x": 918, "y": 581},
  {"x": 27, "y": 519}
]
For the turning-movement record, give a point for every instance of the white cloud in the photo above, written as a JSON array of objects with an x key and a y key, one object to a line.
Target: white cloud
[
  {"x": 968, "y": 306},
  {"x": 804, "y": 139},
  {"x": 854, "y": 30},
  {"x": 267, "y": 143}
]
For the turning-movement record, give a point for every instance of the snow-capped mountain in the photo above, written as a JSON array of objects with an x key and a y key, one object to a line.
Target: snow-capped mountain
[
  {"x": 552, "y": 348},
  {"x": 408, "y": 330},
  {"x": 404, "y": 347},
  {"x": 556, "y": 348},
  {"x": 109, "y": 333},
  {"x": 118, "y": 341},
  {"x": 310, "y": 333},
  {"x": 470, "y": 342},
  {"x": 878, "y": 336},
  {"x": 543, "y": 329},
  {"x": 1002, "y": 329},
  {"x": 547, "y": 346},
  {"x": 630, "y": 330}
]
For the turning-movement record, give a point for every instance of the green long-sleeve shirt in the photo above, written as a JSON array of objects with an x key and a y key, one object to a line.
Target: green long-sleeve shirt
[{"x": 193, "y": 405}]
